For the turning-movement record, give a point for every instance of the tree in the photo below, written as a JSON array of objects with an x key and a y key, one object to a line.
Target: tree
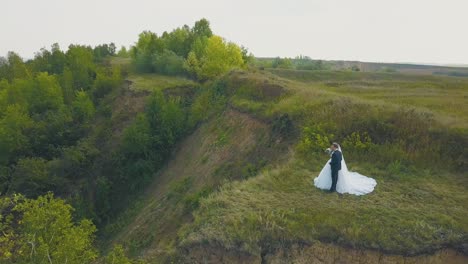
[
  {"x": 52, "y": 61},
  {"x": 123, "y": 52},
  {"x": 282, "y": 63},
  {"x": 168, "y": 63},
  {"x": 46, "y": 94},
  {"x": 179, "y": 41},
  {"x": 83, "y": 107},
  {"x": 217, "y": 58},
  {"x": 42, "y": 231},
  {"x": 31, "y": 177},
  {"x": 80, "y": 62},
  {"x": 13, "y": 67},
  {"x": 13, "y": 128},
  {"x": 67, "y": 86},
  {"x": 202, "y": 29}
]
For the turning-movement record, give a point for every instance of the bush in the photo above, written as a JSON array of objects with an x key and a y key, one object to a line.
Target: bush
[
  {"x": 357, "y": 142},
  {"x": 313, "y": 140},
  {"x": 105, "y": 83},
  {"x": 168, "y": 63}
]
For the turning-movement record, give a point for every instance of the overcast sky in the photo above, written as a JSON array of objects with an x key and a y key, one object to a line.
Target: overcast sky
[{"x": 425, "y": 31}]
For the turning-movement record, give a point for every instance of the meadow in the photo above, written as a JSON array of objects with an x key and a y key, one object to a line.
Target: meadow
[{"x": 408, "y": 132}]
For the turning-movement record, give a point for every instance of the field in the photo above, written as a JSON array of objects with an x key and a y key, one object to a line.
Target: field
[{"x": 242, "y": 181}]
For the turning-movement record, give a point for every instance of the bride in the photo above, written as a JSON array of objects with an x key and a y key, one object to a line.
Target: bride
[{"x": 347, "y": 181}]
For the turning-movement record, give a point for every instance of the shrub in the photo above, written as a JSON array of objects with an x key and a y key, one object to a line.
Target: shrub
[
  {"x": 313, "y": 140},
  {"x": 168, "y": 63},
  {"x": 357, "y": 142}
]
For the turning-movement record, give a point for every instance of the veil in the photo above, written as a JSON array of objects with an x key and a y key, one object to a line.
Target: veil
[{"x": 344, "y": 168}]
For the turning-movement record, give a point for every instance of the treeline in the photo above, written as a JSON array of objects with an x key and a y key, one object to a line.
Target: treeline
[
  {"x": 194, "y": 52},
  {"x": 298, "y": 63}
]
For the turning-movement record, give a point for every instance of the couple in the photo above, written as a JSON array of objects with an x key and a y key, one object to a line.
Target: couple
[{"x": 336, "y": 177}]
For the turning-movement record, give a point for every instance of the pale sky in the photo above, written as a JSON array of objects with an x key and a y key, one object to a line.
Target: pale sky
[{"x": 425, "y": 31}]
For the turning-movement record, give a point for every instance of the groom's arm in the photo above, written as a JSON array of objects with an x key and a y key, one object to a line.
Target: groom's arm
[{"x": 334, "y": 159}]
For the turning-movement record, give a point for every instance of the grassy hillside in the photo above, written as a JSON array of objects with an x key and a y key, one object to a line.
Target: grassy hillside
[{"x": 241, "y": 183}]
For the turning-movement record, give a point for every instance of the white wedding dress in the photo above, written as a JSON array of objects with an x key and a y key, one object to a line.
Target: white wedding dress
[{"x": 348, "y": 181}]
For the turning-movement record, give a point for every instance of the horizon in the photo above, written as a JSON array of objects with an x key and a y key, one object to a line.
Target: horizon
[{"x": 420, "y": 32}]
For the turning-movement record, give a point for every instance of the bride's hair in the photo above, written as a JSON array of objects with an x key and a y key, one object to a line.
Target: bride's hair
[{"x": 336, "y": 145}]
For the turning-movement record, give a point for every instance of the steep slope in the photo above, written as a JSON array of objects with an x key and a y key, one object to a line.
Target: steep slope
[{"x": 232, "y": 146}]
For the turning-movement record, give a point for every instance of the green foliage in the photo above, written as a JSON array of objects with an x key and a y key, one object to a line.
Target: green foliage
[
  {"x": 106, "y": 82},
  {"x": 45, "y": 109},
  {"x": 148, "y": 142},
  {"x": 66, "y": 81},
  {"x": 13, "y": 133},
  {"x": 284, "y": 63},
  {"x": 202, "y": 29},
  {"x": 123, "y": 52},
  {"x": 168, "y": 63},
  {"x": 179, "y": 41},
  {"x": 103, "y": 51},
  {"x": 83, "y": 107},
  {"x": 52, "y": 62},
  {"x": 211, "y": 99},
  {"x": 217, "y": 58},
  {"x": 42, "y": 231},
  {"x": 13, "y": 67},
  {"x": 306, "y": 63},
  {"x": 357, "y": 142},
  {"x": 118, "y": 256},
  {"x": 80, "y": 61},
  {"x": 32, "y": 176},
  {"x": 194, "y": 51},
  {"x": 314, "y": 140}
]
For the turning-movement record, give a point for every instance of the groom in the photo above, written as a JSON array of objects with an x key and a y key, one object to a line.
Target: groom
[{"x": 335, "y": 164}]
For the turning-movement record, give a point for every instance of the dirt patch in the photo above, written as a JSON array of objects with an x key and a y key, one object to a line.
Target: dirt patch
[
  {"x": 256, "y": 87},
  {"x": 271, "y": 91},
  {"x": 317, "y": 253},
  {"x": 213, "y": 254}
]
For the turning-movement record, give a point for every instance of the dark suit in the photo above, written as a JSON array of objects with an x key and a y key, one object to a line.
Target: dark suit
[{"x": 335, "y": 165}]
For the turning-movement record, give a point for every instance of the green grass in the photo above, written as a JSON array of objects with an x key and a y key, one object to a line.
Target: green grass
[
  {"x": 151, "y": 82},
  {"x": 419, "y": 203},
  {"x": 411, "y": 216},
  {"x": 443, "y": 97}
]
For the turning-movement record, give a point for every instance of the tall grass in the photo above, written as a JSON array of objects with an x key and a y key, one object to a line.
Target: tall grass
[{"x": 418, "y": 161}]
